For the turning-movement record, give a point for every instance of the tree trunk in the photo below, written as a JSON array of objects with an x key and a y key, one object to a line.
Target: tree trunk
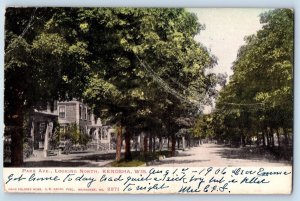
[
  {"x": 183, "y": 143},
  {"x": 142, "y": 136},
  {"x": 137, "y": 143},
  {"x": 178, "y": 143},
  {"x": 17, "y": 147},
  {"x": 17, "y": 135},
  {"x": 119, "y": 143},
  {"x": 168, "y": 142},
  {"x": 160, "y": 143},
  {"x": 278, "y": 137},
  {"x": 128, "y": 156},
  {"x": 242, "y": 140},
  {"x": 154, "y": 143},
  {"x": 150, "y": 144},
  {"x": 268, "y": 139},
  {"x": 250, "y": 141},
  {"x": 263, "y": 138},
  {"x": 145, "y": 144},
  {"x": 272, "y": 138},
  {"x": 173, "y": 145},
  {"x": 286, "y": 138}
]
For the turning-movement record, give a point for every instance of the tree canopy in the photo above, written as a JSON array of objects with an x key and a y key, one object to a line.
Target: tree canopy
[
  {"x": 140, "y": 67},
  {"x": 259, "y": 96}
]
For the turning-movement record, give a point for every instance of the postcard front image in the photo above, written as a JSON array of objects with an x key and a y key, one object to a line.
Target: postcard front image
[{"x": 148, "y": 100}]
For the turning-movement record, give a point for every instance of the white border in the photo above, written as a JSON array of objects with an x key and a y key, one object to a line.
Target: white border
[{"x": 160, "y": 3}]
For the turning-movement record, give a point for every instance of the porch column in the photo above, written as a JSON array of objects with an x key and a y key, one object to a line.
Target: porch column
[
  {"x": 46, "y": 140},
  {"x": 32, "y": 133},
  {"x": 97, "y": 137},
  {"x": 100, "y": 133},
  {"x": 108, "y": 137}
]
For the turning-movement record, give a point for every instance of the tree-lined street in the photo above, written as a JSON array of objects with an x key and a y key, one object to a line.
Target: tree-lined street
[{"x": 142, "y": 72}]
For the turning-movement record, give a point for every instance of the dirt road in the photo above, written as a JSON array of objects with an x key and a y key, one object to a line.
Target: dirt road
[{"x": 219, "y": 155}]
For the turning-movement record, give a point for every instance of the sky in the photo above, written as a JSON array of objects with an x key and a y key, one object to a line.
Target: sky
[{"x": 225, "y": 30}]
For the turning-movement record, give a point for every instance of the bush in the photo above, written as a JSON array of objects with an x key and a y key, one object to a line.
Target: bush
[
  {"x": 55, "y": 139},
  {"x": 27, "y": 148},
  {"x": 84, "y": 139}
]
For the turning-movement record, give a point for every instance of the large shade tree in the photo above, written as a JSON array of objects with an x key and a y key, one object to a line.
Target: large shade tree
[
  {"x": 133, "y": 65},
  {"x": 258, "y": 100},
  {"x": 41, "y": 65},
  {"x": 153, "y": 53}
]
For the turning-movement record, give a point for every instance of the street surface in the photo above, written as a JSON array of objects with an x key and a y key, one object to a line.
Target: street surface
[
  {"x": 219, "y": 155},
  {"x": 202, "y": 156}
]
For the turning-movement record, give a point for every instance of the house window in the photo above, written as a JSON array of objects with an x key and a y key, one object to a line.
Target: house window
[
  {"x": 104, "y": 134},
  {"x": 42, "y": 130},
  {"x": 85, "y": 113},
  {"x": 62, "y": 129},
  {"x": 82, "y": 130},
  {"x": 80, "y": 111},
  {"x": 62, "y": 111},
  {"x": 89, "y": 115}
]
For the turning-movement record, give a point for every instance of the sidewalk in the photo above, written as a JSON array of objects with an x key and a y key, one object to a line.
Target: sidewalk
[{"x": 79, "y": 159}]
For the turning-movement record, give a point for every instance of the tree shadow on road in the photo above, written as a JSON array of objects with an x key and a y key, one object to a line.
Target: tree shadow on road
[
  {"x": 162, "y": 162},
  {"x": 98, "y": 157},
  {"x": 253, "y": 153},
  {"x": 52, "y": 163},
  {"x": 182, "y": 154}
]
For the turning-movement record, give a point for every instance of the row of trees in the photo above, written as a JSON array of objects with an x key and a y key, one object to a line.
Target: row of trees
[
  {"x": 258, "y": 100},
  {"x": 140, "y": 69}
]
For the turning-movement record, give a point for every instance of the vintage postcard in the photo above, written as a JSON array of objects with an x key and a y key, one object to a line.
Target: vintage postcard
[{"x": 148, "y": 100}]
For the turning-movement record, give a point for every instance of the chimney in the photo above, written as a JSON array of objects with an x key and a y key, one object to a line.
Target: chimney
[{"x": 48, "y": 107}]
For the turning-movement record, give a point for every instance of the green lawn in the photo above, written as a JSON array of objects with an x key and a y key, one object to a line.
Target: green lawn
[
  {"x": 139, "y": 159},
  {"x": 123, "y": 163}
]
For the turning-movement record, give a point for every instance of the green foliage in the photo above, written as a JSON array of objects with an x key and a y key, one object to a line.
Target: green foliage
[
  {"x": 55, "y": 138},
  {"x": 51, "y": 63},
  {"x": 259, "y": 95},
  {"x": 83, "y": 139},
  {"x": 135, "y": 43},
  {"x": 203, "y": 127},
  {"x": 141, "y": 66},
  {"x": 28, "y": 148},
  {"x": 123, "y": 163},
  {"x": 74, "y": 134}
]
